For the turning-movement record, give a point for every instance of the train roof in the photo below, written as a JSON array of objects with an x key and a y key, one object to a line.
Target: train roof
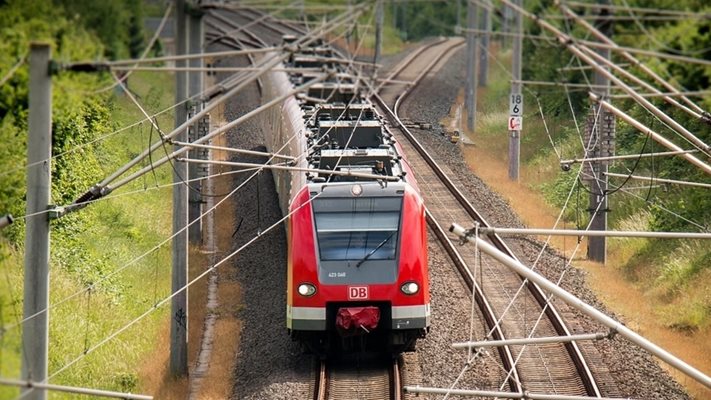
[{"x": 345, "y": 133}]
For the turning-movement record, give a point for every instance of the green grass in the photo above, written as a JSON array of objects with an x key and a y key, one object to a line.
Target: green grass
[{"x": 113, "y": 232}]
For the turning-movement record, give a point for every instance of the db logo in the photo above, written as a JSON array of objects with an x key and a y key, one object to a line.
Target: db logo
[{"x": 357, "y": 293}]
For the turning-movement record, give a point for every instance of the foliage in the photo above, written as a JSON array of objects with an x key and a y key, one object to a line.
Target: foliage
[
  {"x": 88, "y": 248},
  {"x": 668, "y": 270},
  {"x": 117, "y": 23},
  {"x": 418, "y": 20}
]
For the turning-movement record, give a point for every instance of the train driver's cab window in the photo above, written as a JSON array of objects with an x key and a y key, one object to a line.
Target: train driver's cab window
[{"x": 357, "y": 229}]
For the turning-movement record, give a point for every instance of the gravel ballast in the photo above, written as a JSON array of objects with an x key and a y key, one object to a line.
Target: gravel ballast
[{"x": 634, "y": 373}]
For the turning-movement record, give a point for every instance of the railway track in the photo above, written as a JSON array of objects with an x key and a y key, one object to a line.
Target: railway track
[
  {"x": 358, "y": 380},
  {"x": 557, "y": 369},
  {"x": 553, "y": 369}
]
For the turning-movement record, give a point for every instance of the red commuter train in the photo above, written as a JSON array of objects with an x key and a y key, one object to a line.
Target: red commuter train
[{"x": 357, "y": 237}]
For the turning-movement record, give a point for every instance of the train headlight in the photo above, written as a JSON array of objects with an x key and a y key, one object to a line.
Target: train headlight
[
  {"x": 410, "y": 288},
  {"x": 307, "y": 289}
]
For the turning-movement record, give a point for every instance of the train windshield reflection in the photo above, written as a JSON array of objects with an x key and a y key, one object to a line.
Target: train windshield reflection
[{"x": 351, "y": 229}]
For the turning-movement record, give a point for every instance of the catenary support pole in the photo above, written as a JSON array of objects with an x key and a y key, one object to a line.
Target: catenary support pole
[
  {"x": 378, "y": 31},
  {"x": 195, "y": 87},
  {"x": 600, "y": 143},
  {"x": 516, "y": 100},
  {"x": 505, "y": 25},
  {"x": 654, "y": 135},
  {"x": 35, "y": 332},
  {"x": 695, "y": 109},
  {"x": 579, "y": 49},
  {"x": 459, "y": 17},
  {"x": 469, "y": 35},
  {"x": 583, "y": 307},
  {"x": 179, "y": 303},
  {"x": 485, "y": 24},
  {"x": 472, "y": 44}
]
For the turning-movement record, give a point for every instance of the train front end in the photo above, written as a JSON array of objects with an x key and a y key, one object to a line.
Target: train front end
[{"x": 357, "y": 273}]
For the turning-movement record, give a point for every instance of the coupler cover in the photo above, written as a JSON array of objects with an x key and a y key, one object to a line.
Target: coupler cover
[{"x": 352, "y": 321}]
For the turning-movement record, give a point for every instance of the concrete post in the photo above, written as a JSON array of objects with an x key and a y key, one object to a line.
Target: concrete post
[
  {"x": 179, "y": 303},
  {"x": 35, "y": 332},
  {"x": 602, "y": 140},
  {"x": 378, "y": 30},
  {"x": 484, "y": 49},
  {"x": 472, "y": 44},
  {"x": 195, "y": 87},
  {"x": 516, "y": 97}
]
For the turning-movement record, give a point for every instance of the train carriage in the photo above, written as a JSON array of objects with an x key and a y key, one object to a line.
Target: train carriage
[{"x": 357, "y": 274}]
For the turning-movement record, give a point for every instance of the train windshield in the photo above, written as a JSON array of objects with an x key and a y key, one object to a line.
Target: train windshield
[{"x": 359, "y": 229}]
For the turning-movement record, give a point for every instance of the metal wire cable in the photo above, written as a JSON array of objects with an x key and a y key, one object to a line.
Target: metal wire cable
[
  {"x": 14, "y": 69},
  {"x": 135, "y": 260},
  {"x": 651, "y": 37},
  {"x": 165, "y": 300}
]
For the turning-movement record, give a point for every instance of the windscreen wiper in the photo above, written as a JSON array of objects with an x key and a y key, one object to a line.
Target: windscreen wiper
[{"x": 367, "y": 256}]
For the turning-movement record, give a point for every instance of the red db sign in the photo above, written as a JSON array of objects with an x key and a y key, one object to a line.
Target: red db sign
[{"x": 357, "y": 293}]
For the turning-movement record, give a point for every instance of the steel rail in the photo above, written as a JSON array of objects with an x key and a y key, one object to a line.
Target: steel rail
[
  {"x": 552, "y": 314},
  {"x": 395, "y": 381},
  {"x": 321, "y": 381},
  {"x": 505, "y": 353},
  {"x": 408, "y": 59},
  {"x": 337, "y": 380}
]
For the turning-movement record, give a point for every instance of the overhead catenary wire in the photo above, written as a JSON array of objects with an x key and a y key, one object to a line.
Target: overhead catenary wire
[
  {"x": 584, "y": 54},
  {"x": 105, "y": 188},
  {"x": 117, "y": 131},
  {"x": 659, "y": 180},
  {"x": 662, "y": 207},
  {"x": 657, "y": 137},
  {"x": 627, "y": 156},
  {"x": 211, "y": 69},
  {"x": 13, "y": 69},
  {"x": 218, "y": 131},
  {"x": 644, "y": 10},
  {"x": 102, "y": 188},
  {"x": 627, "y": 55},
  {"x": 183, "y": 57},
  {"x": 165, "y": 300},
  {"x": 232, "y": 150},
  {"x": 135, "y": 260},
  {"x": 548, "y": 239},
  {"x": 657, "y": 18},
  {"x": 656, "y": 41},
  {"x": 468, "y": 361},
  {"x": 592, "y": 312}
]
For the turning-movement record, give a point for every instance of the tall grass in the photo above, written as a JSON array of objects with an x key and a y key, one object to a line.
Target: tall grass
[{"x": 111, "y": 233}]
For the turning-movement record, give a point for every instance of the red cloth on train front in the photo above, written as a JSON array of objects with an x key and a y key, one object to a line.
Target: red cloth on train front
[{"x": 353, "y": 318}]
